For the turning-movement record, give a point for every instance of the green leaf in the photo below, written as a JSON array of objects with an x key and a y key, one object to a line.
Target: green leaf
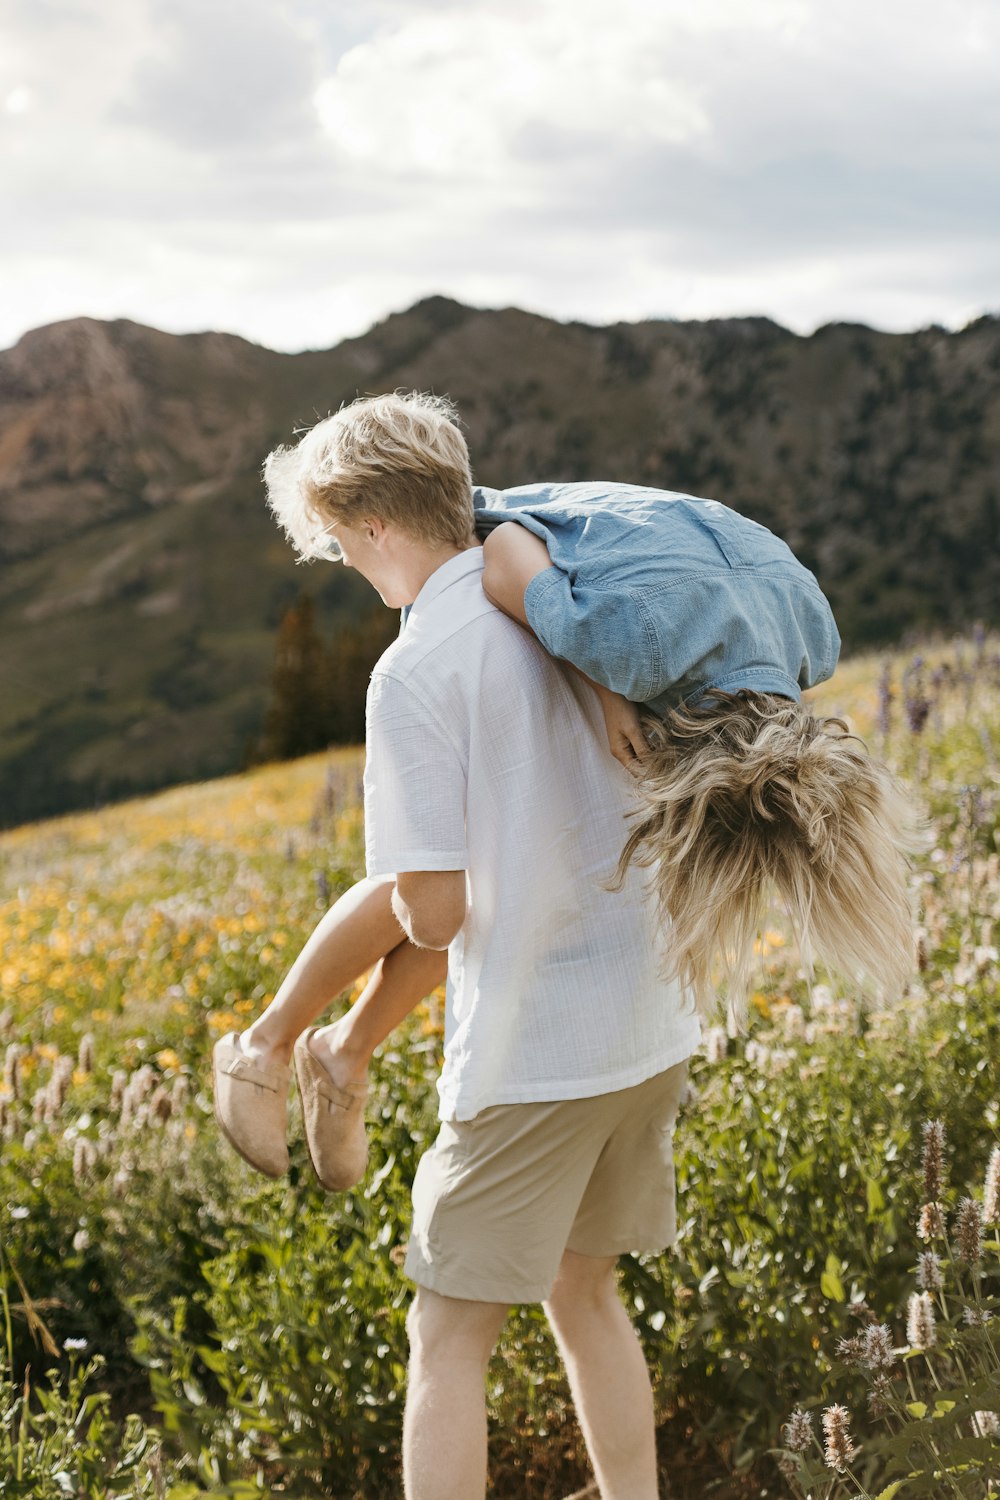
[
  {"x": 916, "y": 1409},
  {"x": 193, "y": 1391},
  {"x": 890, "y": 1490},
  {"x": 874, "y": 1197},
  {"x": 830, "y": 1283}
]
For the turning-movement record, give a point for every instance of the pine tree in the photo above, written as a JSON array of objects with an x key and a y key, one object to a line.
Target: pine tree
[
  {"x": 355, "y": 650},
  {"x": 298, "y": 719}
]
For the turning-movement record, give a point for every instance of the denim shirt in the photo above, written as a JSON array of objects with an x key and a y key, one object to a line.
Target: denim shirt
[{"x": 661, "y": 596}]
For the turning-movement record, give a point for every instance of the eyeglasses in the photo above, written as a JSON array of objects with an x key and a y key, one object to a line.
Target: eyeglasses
[{"x": 323, "y": 545}]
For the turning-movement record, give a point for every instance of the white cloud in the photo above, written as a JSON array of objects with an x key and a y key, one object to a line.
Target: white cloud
[
  {"x": 294, "y": 169},
  {"x": 18, "y": 100},
  {"x": 453, "y": 94},
  {"x": 234, "y": 74}
]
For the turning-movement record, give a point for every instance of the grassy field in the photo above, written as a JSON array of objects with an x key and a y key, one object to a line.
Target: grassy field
[{"x": 175, "y": 1325}]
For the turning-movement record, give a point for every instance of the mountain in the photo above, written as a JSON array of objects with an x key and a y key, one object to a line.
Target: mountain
[{"x": 142, "y": 579}]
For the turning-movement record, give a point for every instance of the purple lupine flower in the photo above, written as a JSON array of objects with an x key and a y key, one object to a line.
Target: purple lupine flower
[{"x": 885, "y": 696}]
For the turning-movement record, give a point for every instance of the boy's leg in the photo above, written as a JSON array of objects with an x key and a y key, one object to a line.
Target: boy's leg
[
  {"x": 444, "y": 1428},
  {"x": 607, "y": 1375},
  {"x": 357, "y": 931}
]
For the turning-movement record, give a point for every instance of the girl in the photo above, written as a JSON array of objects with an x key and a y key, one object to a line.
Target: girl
[{"x": 698, "y": 629}]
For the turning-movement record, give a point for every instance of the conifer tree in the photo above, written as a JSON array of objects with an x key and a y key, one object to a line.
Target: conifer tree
[
  {"x": 298, "y": 719},
  {"x": 355, "y": 650}
]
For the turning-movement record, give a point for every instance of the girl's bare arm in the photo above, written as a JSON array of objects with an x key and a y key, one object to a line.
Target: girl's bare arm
[{"x": 512, "y": 557}]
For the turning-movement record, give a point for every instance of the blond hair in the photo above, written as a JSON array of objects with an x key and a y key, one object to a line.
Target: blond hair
[
  {"x": 747, "y": 796},
  {"x": 400, "y": 457}
]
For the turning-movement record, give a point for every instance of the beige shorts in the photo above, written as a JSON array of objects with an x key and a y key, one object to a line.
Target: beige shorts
[{"x": 497, "y": 1199}]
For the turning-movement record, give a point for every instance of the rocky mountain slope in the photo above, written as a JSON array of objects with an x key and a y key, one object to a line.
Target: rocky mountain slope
[{"x": 142, "y": 580}]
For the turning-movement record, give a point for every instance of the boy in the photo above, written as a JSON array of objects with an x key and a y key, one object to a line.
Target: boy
[{"x": 493, "y": 817}]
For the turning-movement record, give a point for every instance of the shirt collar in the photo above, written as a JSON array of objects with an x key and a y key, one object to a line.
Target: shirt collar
[{"x": 459, "y": 566}]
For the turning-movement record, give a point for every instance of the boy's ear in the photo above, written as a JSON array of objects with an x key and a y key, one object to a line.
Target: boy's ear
[{"x": 375, "y": 530}]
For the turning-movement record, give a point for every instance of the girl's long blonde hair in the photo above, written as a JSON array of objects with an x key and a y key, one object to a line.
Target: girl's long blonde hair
[{"x": 749, "y": 796}]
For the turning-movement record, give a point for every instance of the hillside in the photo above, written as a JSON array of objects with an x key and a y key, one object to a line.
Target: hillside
[
  {"x": 142, "y": 580},
  {"x": 259, "y": 1325}
]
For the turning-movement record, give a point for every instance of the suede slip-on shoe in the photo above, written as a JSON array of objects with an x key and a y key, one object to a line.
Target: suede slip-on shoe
[
  {"x": 333, "y": 1120},
  {"x": 251, "y": 1105}
]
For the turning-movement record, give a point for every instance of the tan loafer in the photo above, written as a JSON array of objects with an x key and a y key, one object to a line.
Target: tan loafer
[
  {"x": 333, "y": 1120},
  {"x": 251, "y": 1105}
]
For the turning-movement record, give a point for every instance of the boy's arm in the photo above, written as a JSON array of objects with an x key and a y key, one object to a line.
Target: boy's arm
[
  {"x": 415, "y": 788},
  {"x": 512, "y": 557}
]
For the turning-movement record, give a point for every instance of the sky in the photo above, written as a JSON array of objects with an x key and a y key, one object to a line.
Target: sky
[{"x": 295, "y": 170}]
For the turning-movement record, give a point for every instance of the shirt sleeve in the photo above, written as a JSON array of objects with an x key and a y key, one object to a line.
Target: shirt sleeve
[
  {"x": 415, "y": 785},
  {"x": 601, "y": 631}
]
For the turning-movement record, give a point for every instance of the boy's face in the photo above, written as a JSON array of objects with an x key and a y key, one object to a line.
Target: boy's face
[{"x": 367, "y": 547}]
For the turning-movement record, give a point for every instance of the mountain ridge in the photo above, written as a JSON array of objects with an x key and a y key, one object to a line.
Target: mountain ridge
[{"x": 142, "y": 578}]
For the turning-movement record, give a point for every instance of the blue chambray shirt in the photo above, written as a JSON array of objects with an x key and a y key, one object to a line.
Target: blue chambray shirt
[{"x": 661, "y": 596}]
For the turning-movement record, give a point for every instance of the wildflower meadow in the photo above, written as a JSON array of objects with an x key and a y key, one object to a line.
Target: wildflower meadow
[{"x": 175, "y": 1325}]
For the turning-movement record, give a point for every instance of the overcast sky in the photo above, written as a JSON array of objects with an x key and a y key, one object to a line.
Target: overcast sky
[{"x": 293, "y": 170}]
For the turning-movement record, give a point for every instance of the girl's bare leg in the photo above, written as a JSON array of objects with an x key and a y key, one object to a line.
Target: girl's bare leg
[
  {"x": 401, "y": 980},
  {"x": 356, "y": 933}
]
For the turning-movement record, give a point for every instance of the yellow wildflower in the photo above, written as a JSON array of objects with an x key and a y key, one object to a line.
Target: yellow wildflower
[{"x": 222, "y": 1020}]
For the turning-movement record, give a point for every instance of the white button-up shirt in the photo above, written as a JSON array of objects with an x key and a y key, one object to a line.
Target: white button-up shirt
[{"x": 484, "y": 754}]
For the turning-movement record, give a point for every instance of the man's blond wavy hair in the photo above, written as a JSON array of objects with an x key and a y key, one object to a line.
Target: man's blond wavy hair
[
  {"x": 400, "y": 457},
  {"x": 747, "y": 797}
]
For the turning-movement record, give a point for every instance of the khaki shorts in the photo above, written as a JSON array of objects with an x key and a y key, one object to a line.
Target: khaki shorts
[{"x": 497, "y": 1199}]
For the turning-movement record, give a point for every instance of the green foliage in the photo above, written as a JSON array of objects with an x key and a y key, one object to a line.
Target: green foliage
[
  {"x": 58, "y": 1438},
  {"x": 799, "y": 1192},
  {"x": 261, "y": 1325},
  {"x": 298, "y": 1351},
  {"x": 61, "y": 1441},
  {"x": 936, "y": 1398}
]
